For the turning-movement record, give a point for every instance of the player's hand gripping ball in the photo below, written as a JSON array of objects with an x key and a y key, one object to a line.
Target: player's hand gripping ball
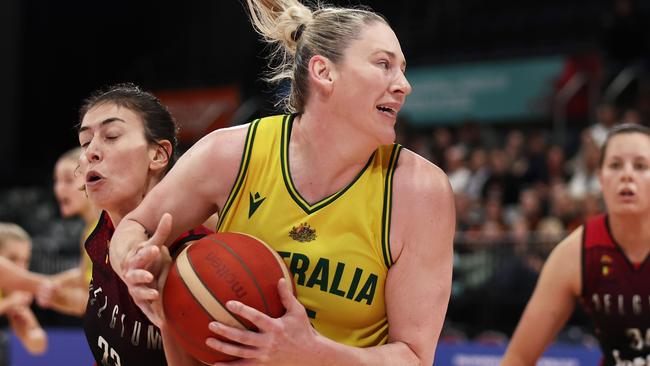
[{"x": 210, "y": 272}]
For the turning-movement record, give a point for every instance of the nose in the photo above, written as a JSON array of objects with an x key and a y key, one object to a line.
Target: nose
[
  {"x": 92, "y": 152},
  {"x": 401, "y": 84},
  {"x": 626, "y": 173}
]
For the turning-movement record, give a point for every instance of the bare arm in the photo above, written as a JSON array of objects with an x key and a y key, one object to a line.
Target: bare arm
[
  {"x": 551, "y": 304},
  {"x": 28, "y": 330},
  {"x": 192, "y": 191},
  {"x": 419, "y": 283},
  {"x": 14, "y": 277},
  {"x": 67, "y": 297},
  {"x": 417, "y": 289}
]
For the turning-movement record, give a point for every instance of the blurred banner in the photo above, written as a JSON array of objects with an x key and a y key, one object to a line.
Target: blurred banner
[
  {"x": 474, "y": 354},
  {"x": 486, "y": 91},
  {"x": 66, "y": 347},
  {"x": 199, "y": 111}
]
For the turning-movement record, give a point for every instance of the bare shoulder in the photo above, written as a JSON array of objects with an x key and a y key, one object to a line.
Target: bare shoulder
[
  {"x": 570, "y": 246},
  {"x": 565, "y": 261},
  {"x": 212, "y": 164},
  {"x": 222, "y": 145},
  {"x": 423, "y": 205},
  {"x": 417, "y": 179}
]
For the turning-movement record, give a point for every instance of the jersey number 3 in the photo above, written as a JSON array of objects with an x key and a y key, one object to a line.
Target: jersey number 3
[{"x": 637, "y": 342}]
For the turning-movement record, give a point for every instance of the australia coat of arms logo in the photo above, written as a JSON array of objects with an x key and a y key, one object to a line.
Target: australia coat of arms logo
[{"x": 302, "y": 233}]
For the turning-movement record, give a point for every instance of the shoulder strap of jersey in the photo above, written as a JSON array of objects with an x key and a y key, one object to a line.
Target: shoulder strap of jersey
[
  {"x": 387, "y": 206},
  {"x": 243, "y": 168}
]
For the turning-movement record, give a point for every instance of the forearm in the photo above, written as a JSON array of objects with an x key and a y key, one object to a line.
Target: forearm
[
  {"x": 71, "y": 277},
  {"x": 70, "y": 301},
  {"x": 18, "y": 278},
  {"x": 330, "y": 353},
  {"x": 127, "y": 235}
]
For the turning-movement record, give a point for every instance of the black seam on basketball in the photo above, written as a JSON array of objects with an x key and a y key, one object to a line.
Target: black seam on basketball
[
  {"x": 211, "y": 293},
  {"x": 246, "y": 268}
]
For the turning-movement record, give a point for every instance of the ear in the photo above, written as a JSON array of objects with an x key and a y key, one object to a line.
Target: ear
[
  {"x": 321, "y": 73},
  {"x": 159, "y": 155}
]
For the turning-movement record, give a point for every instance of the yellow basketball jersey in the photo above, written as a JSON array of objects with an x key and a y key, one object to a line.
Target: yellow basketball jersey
[
  {"x": 337, "y": 248},
  {"x": 88, "y": 275}
]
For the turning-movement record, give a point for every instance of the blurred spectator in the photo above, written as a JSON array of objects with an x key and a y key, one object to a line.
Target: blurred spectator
[
  {"x": 632, "y": 115},
  {"x": 606, "y": 117},
  {"x": 501, "y": 183},
  {"x": 456, "y": 168},
  {"x": 479, "y": 173},
  {"x": 442, "y": 140},
  {"x": 529, "y": 207},
  {"x": 563, "y": 206},
  {"x": 555, "y": 170},
  {"x": 584, "y": 179}
]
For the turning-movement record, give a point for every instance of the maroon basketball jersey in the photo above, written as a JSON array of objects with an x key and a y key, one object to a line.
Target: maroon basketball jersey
[
  {"x": 616, "y": 295},
  {"x": 118, "y": 332}
]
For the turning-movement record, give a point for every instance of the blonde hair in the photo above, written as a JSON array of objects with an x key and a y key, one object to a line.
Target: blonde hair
[
  {"x": 10, "y": 231},
  {"x": 72, "y": 154},
  {"x": 297, "y": 33}
]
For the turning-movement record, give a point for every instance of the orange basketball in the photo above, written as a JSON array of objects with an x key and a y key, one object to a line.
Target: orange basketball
[{"x": 208, "y": 273}]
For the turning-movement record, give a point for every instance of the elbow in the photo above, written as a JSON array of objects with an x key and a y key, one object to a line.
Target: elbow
[{"x": 412, "y": 357}]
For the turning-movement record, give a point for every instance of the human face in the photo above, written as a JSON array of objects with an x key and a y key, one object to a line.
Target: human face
[
  {"x": 371, "y": 88},
  {"x": 17, "y": 251},
  {"x": 68, "y": 181},
  {"x": 625, "y": 174},
  {"x": 115, "y": 157}
]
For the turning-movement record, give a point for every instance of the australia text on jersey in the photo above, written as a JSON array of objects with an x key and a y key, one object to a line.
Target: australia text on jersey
[{"x": 327, "y": 278}]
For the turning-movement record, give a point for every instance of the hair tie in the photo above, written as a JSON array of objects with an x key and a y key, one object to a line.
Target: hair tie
[{"x": 298, "y": 32}]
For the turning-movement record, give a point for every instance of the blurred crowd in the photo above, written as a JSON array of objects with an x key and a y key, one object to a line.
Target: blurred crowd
[{"x": 518, "y": 193}]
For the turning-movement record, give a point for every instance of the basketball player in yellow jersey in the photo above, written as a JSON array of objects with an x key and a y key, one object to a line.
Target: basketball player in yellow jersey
[
  {"x": 70, "y": 293},
  {"x": 365, "y": 227},
  {"x": 336, "y": 247}
]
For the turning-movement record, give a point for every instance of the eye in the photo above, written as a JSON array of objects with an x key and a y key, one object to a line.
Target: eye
[
  {"x": 615, "y": 165},
  {"x": 385, "y": 64},
  {"x": 640, "y": 166}
]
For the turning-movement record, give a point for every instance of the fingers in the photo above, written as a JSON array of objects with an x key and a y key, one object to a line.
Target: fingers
[
  {"x": 163, "y": 230},
  {"x": 261, "y": 320},
  {"x": 242, "y": 336},
  {"x": 231, "y": 348},
  {"x": 287, "y": 297},
  {"x": 143, "y": 257},
  {"x": 143, "y": 293}
]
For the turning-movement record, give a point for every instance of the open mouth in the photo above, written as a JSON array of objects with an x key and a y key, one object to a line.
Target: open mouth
[
  {"x": 388, "y": 110},
  {"x": 93, "y": 177},
  {"x": 626, "y": 192}
]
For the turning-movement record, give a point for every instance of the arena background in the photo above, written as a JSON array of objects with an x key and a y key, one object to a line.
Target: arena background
[{"x": 508, "y": 99}]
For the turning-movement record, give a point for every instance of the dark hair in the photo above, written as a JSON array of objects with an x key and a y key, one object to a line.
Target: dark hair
[
  {"x": 158, "y": 122},
  {"x": 618, "y": 130}
]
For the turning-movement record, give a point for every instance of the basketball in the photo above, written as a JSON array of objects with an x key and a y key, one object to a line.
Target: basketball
[{"x": 210, "y": 272}]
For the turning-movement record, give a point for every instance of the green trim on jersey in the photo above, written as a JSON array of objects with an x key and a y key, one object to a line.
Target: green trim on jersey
[
  {"x": 337, "y": 250},
  {"x": 388, "y": 206},
  {"x": 243, "y": 168}
]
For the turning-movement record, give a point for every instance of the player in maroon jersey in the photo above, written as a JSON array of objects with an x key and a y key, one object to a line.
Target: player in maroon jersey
[
  {"x": 128, "y": 141},
  {"x": 601, "y": 265}
]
